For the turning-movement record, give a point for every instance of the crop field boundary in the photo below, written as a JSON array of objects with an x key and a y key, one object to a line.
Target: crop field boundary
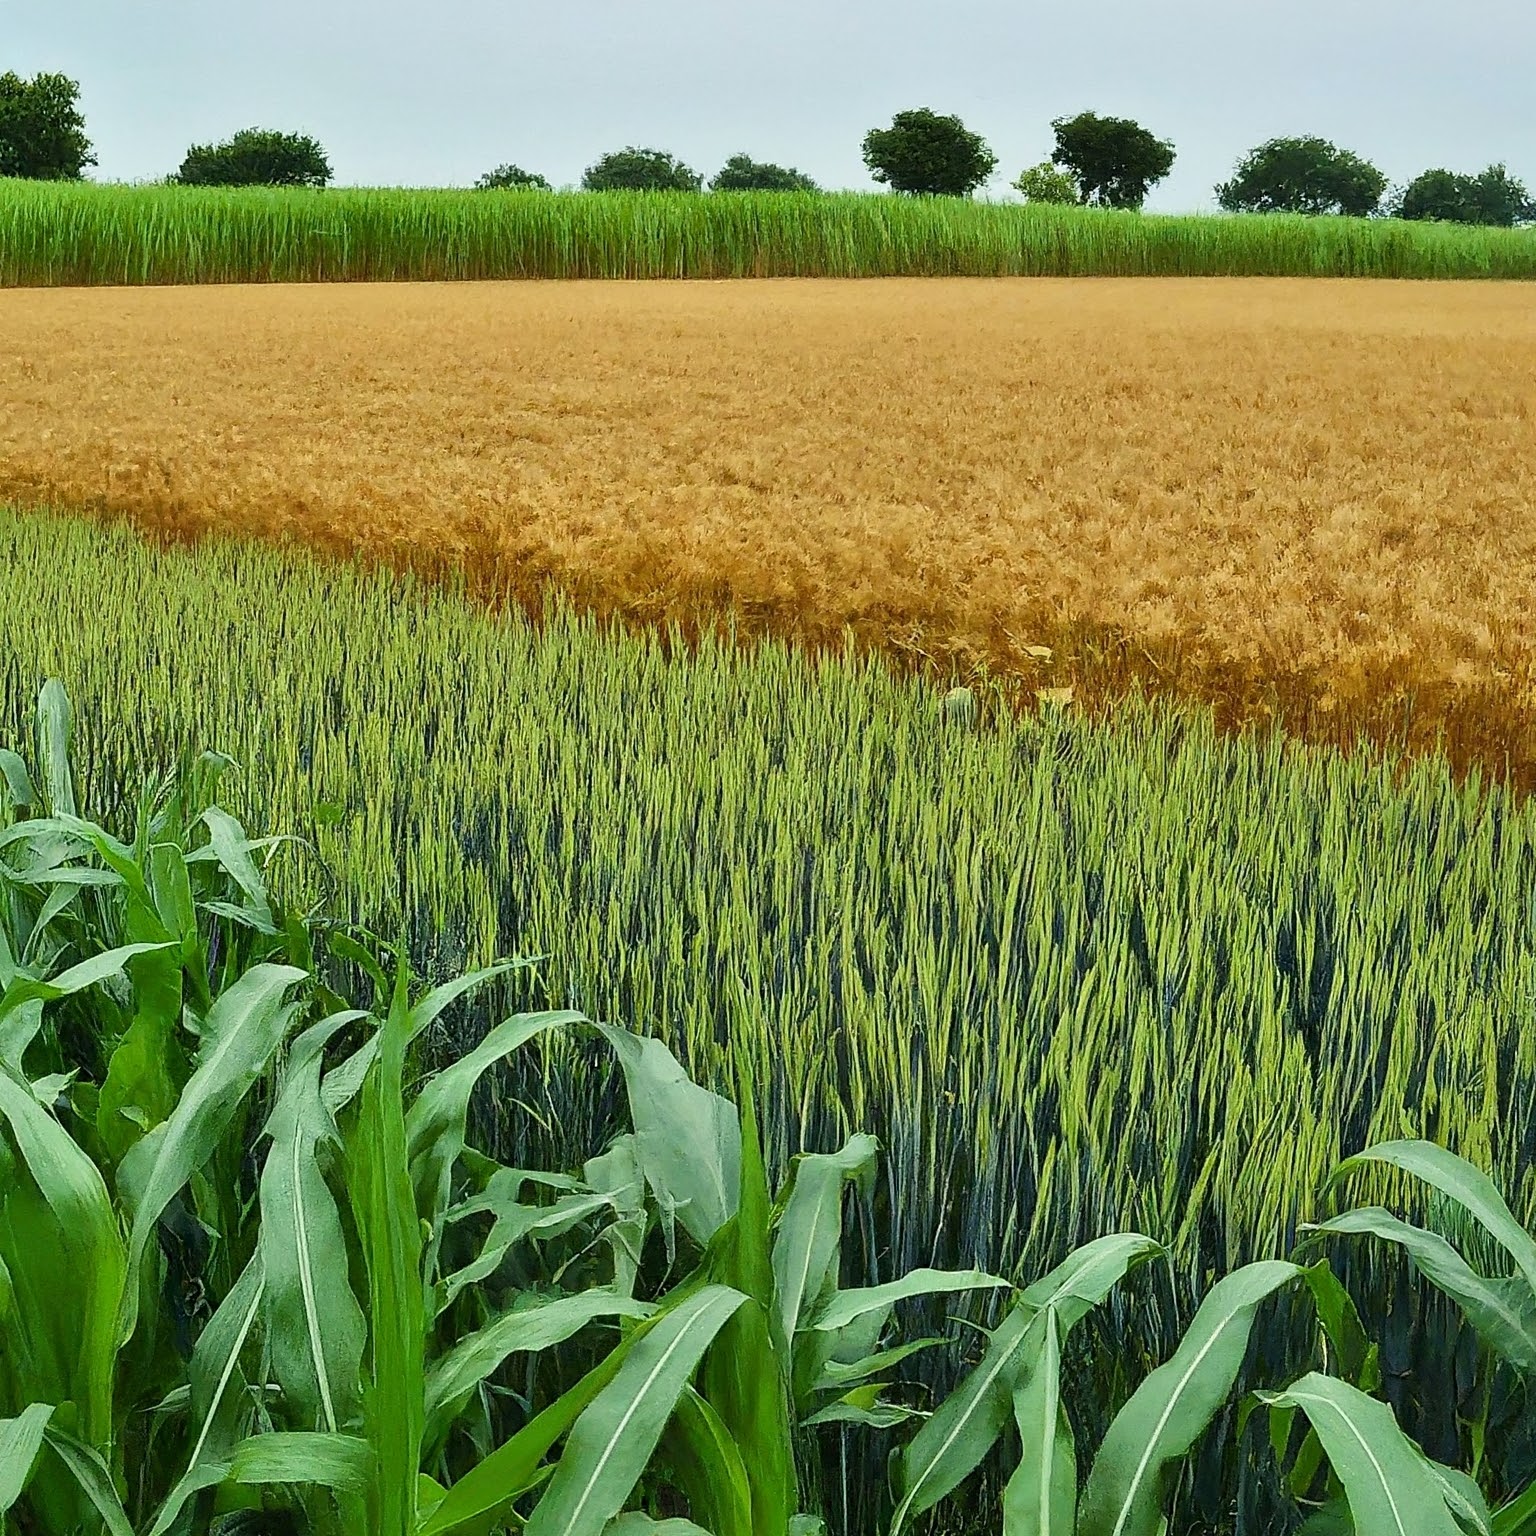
[
  {"x": 71, "y": 235},
  {"x": 1388, "y": 708}
]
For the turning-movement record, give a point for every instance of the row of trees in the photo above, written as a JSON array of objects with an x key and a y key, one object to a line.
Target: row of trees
[
  {"x": 1110, "y": 162},
  {"x": 653, "y": 170}
]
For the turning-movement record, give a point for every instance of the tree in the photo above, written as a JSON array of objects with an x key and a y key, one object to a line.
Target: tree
[
  {"x": 1502, "y": 199},
  {"x": 741, "y": 173},
  {"x": 42, "y": 134},
  {"x": 1045, "y": 184},
  {"x": 509, "y": 176},
  {"x": 923, "y": 152},
  {"x": 1302, "y": 175},
  {"x": 1493, "y": 197},
  {"x": 1114, "y": 161},
  {"x": 257, "y": 157},
  {"x": 640, "y": 170}
]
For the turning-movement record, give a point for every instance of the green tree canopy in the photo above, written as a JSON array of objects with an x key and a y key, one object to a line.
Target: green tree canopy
[
  {"x": 1045, "y": 184},
  {"x": 1114, "y": 160},
  {"x": 1493, "y": 197},
  {"x": 257, "y": 157},
  {"x": 924, "y": 152},
  {"x": 1302, "y": 175},
  {"x": 42, "y": 134},
  {"x": 741, "y": 173},
  {"x": 510, "y": 176},
  {"x": 640, "y": 170}
]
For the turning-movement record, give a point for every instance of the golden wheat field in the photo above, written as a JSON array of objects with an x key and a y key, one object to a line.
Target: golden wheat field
[{"x": 1312, "y": 496}]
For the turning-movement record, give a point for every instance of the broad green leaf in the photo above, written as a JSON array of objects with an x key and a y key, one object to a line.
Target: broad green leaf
[
  {"x": 637, "y": 1524},
  {"x": 1087, "y": 1275},
  {"x": 472, "y": 1506},
  {"x": 55, "y": 734},
  {"x": 528, "y": 1329},
  {"x": 71, "y": 875},
  {"x": 21, "y": 1439},
  {"x": 612, "y": 1442},
  {"x": 124, "y": 862},
  {"x": 515, "y": 1223},
  {"x": 241, "y": 1035},
  {"x": 23, "y": 796},
  {"x": 1518, "y": 1517},
  {"x": 170, "y": 889},
  {"x": 707, "y": 1467},
  {"x": 59, "y": 900},
  {"x": 139, "y": 1092},
  {"x": 343, "y": 1083},
  {"x": 88, "y": 973},
  {"x": 204, "y": 1474},
  {"x": 1340, "y": 1318},
  {"x": 435, "y": 1126},
  {"x": 215, "y": 1395},
  {"x": 230, "y": 847},
  {"x": 342, "y": 1462},
  {"x": 91, "y": 1474},
  {"x": 384, "y": 1209},
  {"x": 839, "y": 1374},
  {"x": 952, "y": 1444},
  {"x": 863, "y": 1405},
  {"x": 1333, "y": 1519},
  {"x": 428, "y": 1009},
  {"x": 215, "y": 1365},
  {"x": 17, "y": 1032},
  {"x": 1390, "y": 1489},
  {"x": 315, "y": 1330},
  {"x": 76, "y": 1258},
  {"x": 808, "y": 1239},
  {"x": 1469, "y": 1187},
  {"x": 966, "y": 1425},
  {"x": 745, "y": 1373},
  {"x": 1464, "y": 1499},
  {"x": 46, "y": 1090},
  {"x": 847, "y": 1307},
  {"x": 1041, "y": 1496},
  {"x": 618, "y": 1175},
  {"x": 1173, "y": 1406},
  {"x": 688, "y": 1139},
  {"x": 1502, "y": 1311}
]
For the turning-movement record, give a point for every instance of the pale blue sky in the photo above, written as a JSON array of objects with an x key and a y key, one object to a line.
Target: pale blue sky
[{"x": 433, "y": 92}]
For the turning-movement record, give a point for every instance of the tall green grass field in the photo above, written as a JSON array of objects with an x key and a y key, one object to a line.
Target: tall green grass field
[{"x": 68, "y": 235}]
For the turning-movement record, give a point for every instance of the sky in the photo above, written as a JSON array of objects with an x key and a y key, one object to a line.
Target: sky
[{"x": 434, "y": 92}]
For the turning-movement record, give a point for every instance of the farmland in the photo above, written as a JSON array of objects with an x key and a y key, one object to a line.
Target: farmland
[
  {"x": 1077, "y": 978},
  {"x": 1298, "y": 500},
  {"x": 1032, "y": 780}
]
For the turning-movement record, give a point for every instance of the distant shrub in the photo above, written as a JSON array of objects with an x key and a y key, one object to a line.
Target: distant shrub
[
  {"x": 1043, "y": 183},
  {"x": 640, "y": 170},
  {"x": 741, "y": 173},
  {"x": 257, "y": 157},
  {"x": 505, "y": 177}
]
